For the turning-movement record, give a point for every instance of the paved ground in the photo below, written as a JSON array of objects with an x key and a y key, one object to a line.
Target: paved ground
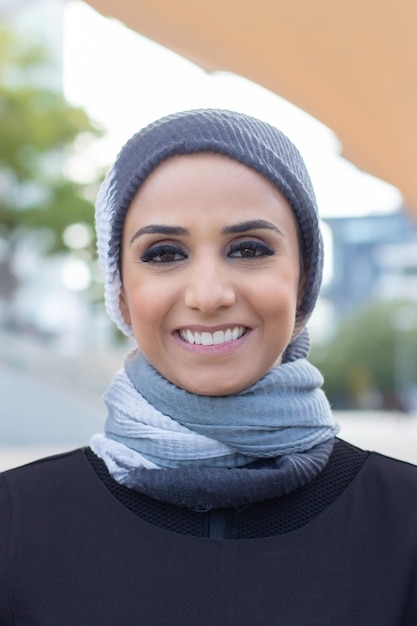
[{"x": 51, "y": 403}]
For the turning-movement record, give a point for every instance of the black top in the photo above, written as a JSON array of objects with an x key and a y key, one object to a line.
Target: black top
[{"x": 77, "y": 549}]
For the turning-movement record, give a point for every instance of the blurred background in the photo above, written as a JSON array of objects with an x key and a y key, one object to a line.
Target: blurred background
[{"x": 74, "y": 86}]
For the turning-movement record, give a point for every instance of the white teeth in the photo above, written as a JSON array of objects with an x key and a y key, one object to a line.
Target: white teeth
[
  {"x": 209, "y": 339},
  {"x": 189, "y": 336},
  {"x": 218, "y": 337}
]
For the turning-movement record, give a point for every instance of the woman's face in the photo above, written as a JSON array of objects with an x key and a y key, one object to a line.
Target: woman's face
[{"x": 210, "y": 272}]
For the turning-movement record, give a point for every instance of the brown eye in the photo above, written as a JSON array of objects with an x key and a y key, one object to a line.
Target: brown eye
[
  {"x": 163, "y": 255},
  {"x": 250, "y": 250}
]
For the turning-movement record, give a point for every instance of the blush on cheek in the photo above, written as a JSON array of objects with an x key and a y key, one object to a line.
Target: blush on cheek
[{"x": 149, "y": 310}]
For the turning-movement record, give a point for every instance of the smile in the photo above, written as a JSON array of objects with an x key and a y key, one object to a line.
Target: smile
[{"x": 212, "y": 339}]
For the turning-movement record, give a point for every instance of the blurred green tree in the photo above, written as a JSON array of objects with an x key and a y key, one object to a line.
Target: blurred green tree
[
  {"x": 372, "y": 360},
  {"x": 38, "y": 133}
]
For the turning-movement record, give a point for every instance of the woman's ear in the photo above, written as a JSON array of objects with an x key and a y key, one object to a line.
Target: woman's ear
[{"x": 124, "y": 307}]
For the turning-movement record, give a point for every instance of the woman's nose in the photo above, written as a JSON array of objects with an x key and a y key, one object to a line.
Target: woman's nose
[{"x": 209, "y": 289}]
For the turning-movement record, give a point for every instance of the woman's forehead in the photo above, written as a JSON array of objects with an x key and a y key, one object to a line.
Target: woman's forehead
[{"x": 209, "y": 173}]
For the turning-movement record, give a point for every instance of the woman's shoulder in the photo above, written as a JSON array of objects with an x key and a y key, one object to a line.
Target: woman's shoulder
[
  {"x": 383, "y": 489},
  {"x": 391, "y": 472},
  {"x": 46, "y": 471},
  {"x": 48, "y": 486},
  {"x": 43, "y": 462},
  {"x": 373, "y": 466}
]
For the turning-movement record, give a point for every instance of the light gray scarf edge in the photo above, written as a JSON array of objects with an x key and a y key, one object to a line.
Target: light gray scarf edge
[{"x": 285, "y": 412}]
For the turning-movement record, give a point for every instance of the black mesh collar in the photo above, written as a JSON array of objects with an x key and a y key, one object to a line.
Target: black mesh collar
[{"x": 263, "y": 519}]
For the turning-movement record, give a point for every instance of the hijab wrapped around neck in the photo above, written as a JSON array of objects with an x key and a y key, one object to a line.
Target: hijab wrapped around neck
[{"x": 216, "y": 451}]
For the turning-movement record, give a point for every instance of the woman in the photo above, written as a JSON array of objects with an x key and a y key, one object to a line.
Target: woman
[{"x": 218, "y": 493}]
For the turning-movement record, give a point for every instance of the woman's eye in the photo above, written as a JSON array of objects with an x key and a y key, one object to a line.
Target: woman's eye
[
  {"x": 250, "y": 250},
  {"x": 163, "y": 255}
]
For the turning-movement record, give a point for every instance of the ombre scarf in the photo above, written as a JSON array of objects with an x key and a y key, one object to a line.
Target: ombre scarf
[{"x": 216, "y": 451}]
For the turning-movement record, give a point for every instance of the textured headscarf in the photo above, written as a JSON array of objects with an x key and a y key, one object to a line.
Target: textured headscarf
[{"x": 248, "y": 140}]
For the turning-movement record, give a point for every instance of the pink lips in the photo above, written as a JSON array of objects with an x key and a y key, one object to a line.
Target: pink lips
[{"x": 216, "y": 349}]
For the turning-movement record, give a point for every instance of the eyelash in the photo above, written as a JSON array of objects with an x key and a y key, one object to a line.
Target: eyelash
[
  {"x": 257, "y": 249},
  {"x": 150, "y": 255}
]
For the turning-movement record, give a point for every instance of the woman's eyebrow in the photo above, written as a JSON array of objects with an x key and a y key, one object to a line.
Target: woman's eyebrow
[
  {"x": 243, "y": 227},
  {"x": 159, "y": 229}
]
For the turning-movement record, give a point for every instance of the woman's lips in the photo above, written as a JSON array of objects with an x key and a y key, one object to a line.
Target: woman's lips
[
  {"x": 217, "y": 342},
  {"x": 216, "y": 338}
]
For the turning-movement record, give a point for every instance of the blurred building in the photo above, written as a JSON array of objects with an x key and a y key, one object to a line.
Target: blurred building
[{"x": 374, "y": 257}]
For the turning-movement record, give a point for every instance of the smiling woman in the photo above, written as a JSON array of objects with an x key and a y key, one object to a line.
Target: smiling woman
[
  {"x": 208, "y": 327},
  {"x": 218, "y": 492}
]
